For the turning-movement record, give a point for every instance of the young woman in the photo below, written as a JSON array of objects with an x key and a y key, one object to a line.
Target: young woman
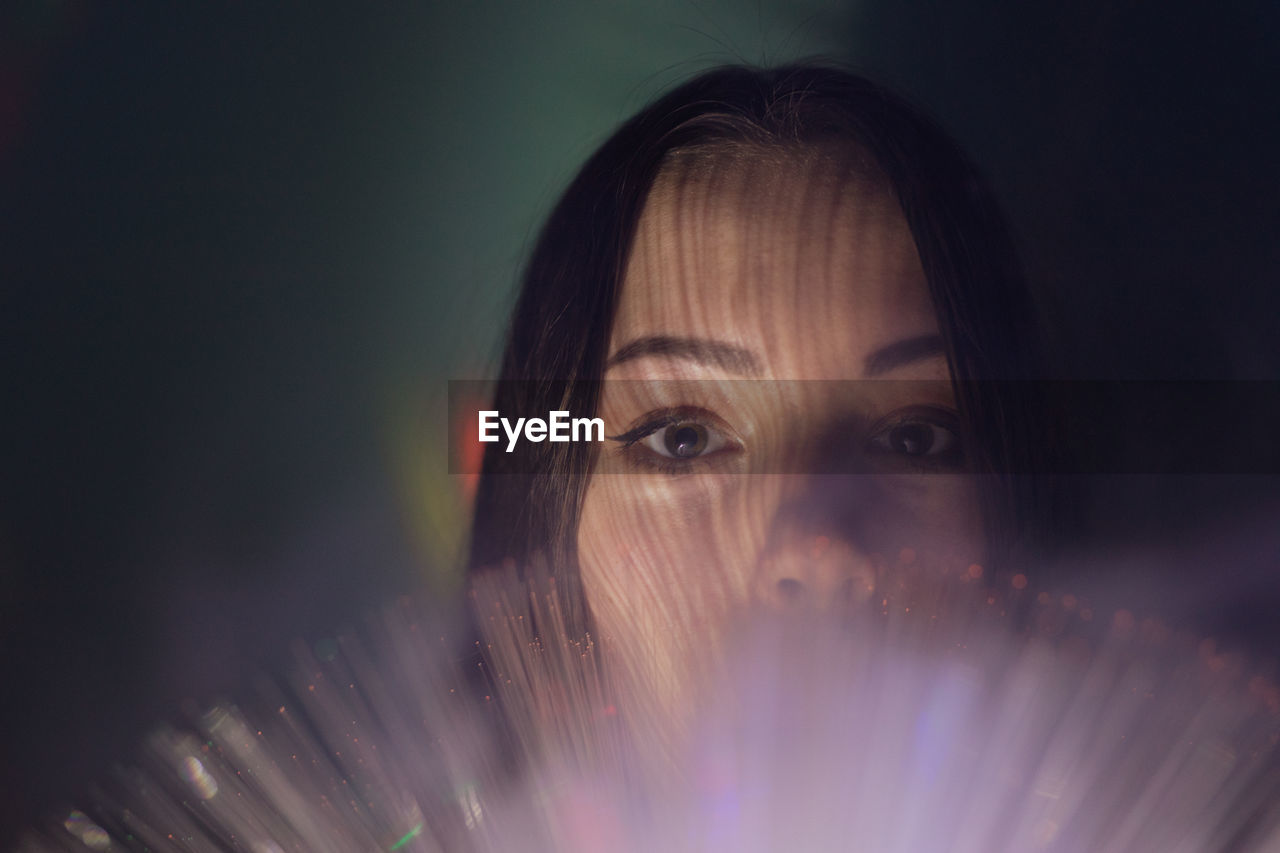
[
  {"x": 792, "y": 305},
  {"x": 795, "y": 307}
]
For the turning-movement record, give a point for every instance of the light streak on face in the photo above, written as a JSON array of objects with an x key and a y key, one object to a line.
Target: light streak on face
[{"x": 798, "y": 272}]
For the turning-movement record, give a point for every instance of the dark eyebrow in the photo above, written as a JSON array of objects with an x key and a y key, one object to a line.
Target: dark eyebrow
[
  {"x": 902, "y": 353},
  {"x": 702, "y": 350}
]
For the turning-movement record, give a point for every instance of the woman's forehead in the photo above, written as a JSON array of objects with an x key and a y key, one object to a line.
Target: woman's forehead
[{"x": 806, "y": 260}]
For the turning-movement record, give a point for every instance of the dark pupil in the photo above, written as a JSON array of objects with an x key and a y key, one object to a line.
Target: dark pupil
[
  {"x": 685, "y": 441},
  {"x": 912, "y": 439}
]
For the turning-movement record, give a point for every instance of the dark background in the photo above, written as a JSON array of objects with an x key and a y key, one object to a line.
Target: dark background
[{"x": 242, "y": 250}]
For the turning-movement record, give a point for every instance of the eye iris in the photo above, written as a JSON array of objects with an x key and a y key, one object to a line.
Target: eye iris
[
  {"x": 686, "y": 440},
  {"x": 912, "y": 439}
]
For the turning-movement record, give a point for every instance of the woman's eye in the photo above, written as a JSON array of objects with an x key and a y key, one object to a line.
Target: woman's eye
[
  {"x": 679, "y": 441},
  {"x": 920, "y": 439},
  {"x": 927, "y": 438},
  {"x": 684, "y": 440}
]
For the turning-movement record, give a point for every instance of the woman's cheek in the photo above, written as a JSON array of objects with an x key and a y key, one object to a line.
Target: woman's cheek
[
  {"x": 664, "y": 561},
  {"x": 933, "y": 515}
]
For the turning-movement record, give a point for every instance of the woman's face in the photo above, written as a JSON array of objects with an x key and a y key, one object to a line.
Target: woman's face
[{"x": 782, "y": 421}]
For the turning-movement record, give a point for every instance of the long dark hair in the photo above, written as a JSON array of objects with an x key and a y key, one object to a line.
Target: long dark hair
[{"x": 559, "y": 334}]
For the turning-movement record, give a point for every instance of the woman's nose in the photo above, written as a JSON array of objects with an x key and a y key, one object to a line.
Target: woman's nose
[
  {"x": 799, "y": 567},
  {"x": 816, "y": 550}
]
